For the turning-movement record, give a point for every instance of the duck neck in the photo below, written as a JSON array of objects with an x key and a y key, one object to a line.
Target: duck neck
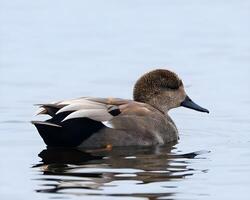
[{"x": 162, "y": 108}]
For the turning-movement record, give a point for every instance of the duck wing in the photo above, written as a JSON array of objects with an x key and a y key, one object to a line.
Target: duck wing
[{"x": 73, "y": 121}]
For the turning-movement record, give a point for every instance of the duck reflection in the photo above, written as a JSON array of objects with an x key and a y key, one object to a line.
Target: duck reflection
[{"x": 91, "y": 171}]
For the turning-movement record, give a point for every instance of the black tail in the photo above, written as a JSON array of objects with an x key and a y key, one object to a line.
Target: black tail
[
  {"x": 49, "y": 132},
  {"x": 69, "y": 133}
]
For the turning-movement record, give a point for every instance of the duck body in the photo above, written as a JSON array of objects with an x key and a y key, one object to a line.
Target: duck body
[
  {"x": 90, "y": 122},
  {"x": 97, "y": 122}
]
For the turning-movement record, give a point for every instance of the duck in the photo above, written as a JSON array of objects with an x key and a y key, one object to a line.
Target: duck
[{"x": 93, "y": 122}]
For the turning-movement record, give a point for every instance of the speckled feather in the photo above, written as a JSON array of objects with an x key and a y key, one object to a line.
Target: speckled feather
[{"x": 153, "y": 82}]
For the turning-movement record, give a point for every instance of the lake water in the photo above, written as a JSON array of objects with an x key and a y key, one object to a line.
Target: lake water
[{"x": 52, "y": 50}]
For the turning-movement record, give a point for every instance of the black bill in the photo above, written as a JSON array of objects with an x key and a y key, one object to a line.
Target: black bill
[{"x": 188, "y": 103}]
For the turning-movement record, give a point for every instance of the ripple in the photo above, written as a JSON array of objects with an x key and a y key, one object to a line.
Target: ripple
[{"x": 134, "y": 172}]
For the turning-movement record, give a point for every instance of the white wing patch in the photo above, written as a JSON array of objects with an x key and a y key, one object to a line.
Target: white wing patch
[
  {"x": 40, "y": 111},
  {"x": 95, "y": 114},
  {"x": 83, "y": 108},
  {"x": 108, "y": 124},
  {"x": 80, "y": 106},
  {"x": 45, "y": 123}
]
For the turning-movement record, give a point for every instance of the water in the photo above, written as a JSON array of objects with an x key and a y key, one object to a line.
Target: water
[{"x": 52, "y": 50}]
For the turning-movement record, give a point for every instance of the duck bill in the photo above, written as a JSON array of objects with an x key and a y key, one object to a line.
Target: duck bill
[{"x": 188, "y": 103}]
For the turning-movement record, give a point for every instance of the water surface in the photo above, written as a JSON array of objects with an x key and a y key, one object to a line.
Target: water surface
[{"x": 52, "y": 50}]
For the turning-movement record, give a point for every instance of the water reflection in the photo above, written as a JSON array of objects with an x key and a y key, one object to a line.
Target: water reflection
[{"x": 79, "y": 172}]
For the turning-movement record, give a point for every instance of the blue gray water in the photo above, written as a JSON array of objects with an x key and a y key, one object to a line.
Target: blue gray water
[{"x": 52, "y": 50}]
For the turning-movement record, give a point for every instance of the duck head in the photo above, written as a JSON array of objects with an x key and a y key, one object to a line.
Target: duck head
[{"x": 164, "y": 90}]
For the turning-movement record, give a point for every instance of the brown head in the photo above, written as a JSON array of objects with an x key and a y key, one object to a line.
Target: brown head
[{"x": 163, "y": 90}]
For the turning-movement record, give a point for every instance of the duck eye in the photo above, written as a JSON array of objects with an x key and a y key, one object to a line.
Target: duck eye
[
  {"x": 170, "y": 87},
  {"x": 172, "y": 84}
]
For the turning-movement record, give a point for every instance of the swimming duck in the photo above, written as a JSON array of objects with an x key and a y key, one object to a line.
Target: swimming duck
[{"x": 90, "y": 122}]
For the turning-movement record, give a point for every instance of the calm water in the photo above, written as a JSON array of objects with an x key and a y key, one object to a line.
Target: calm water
[{"x": 51, "y": 50}]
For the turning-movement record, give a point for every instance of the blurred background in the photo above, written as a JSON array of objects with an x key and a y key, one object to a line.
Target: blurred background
[{"x": 52, "y": 50}]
